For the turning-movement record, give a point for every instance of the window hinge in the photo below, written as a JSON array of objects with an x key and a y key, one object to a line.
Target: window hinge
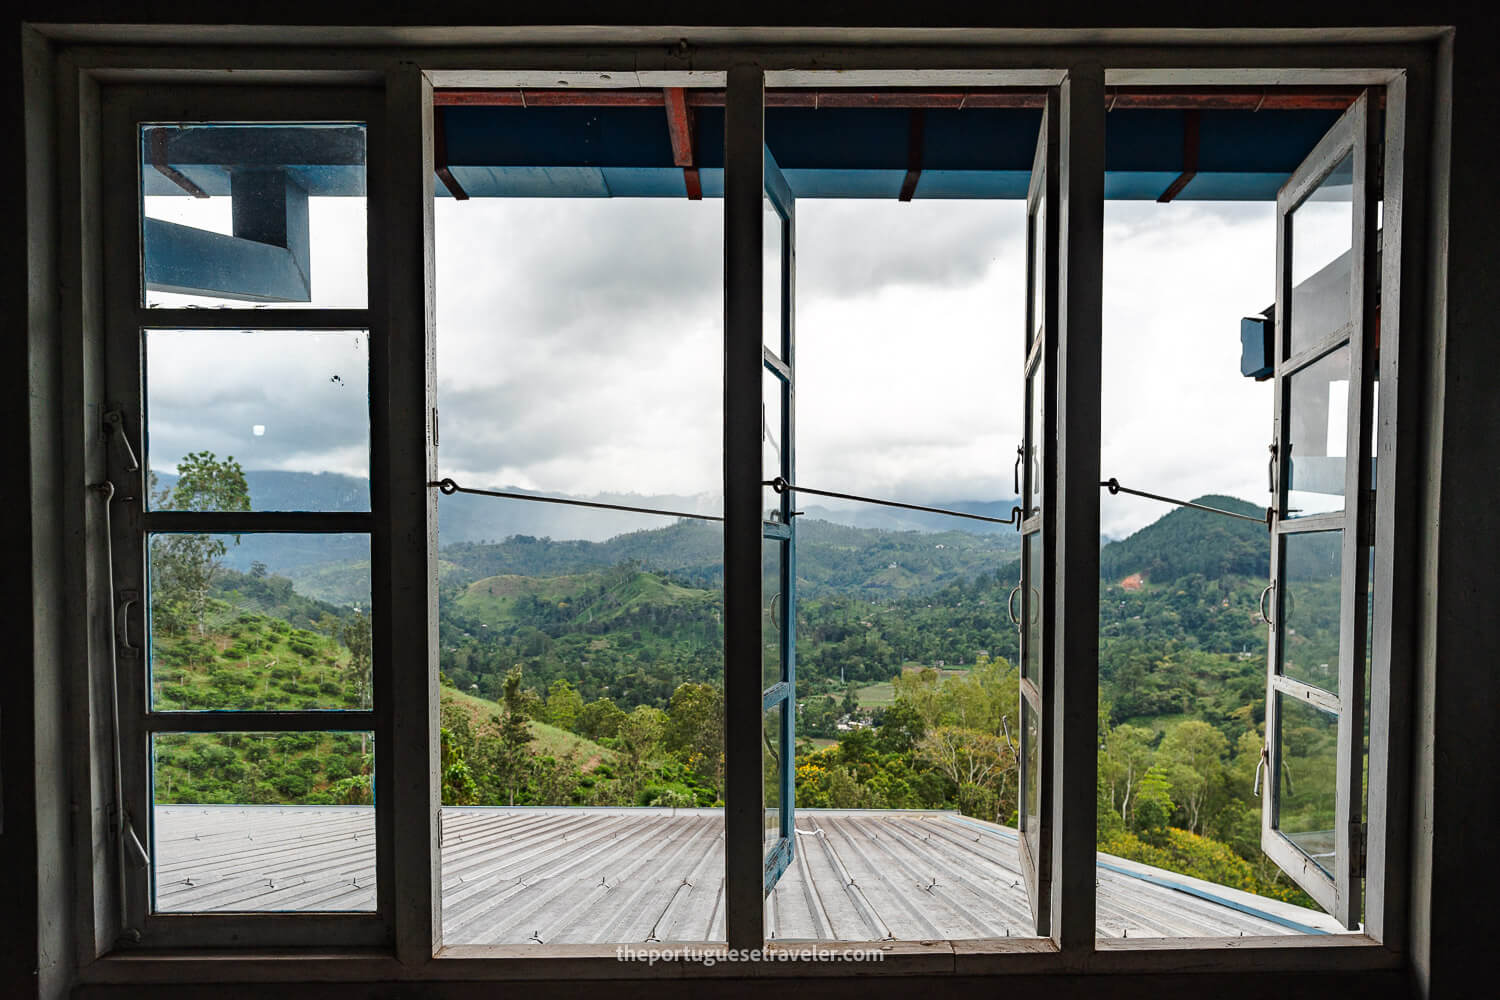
[
  {"x": 1359, "y": 836},
  {"x": 434, "y": 426}
]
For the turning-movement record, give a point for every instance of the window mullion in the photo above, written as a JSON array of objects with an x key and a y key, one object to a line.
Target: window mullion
[
  {"x": 1076, "y": 497},
  {"x": 404, "y": 542},
  {"x": 744, "y": 165}
]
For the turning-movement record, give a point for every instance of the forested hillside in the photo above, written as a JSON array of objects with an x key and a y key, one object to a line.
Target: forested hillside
[{"x": 578, "y": 672}]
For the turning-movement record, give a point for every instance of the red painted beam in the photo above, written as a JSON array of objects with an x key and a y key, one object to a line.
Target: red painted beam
[
  {"x": 680, "y": 129},
  {"x": 679, "y": 126}
]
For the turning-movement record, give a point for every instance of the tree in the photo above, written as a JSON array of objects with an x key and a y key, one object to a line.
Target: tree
[
  {"x": 1193, "y": 752},
  {"x": 354, "y": 633},
  {"x": 506, "y": 755},
  {"x": 1126, "y": 758},
  {"x": 459, "y": 788},
  {"x": 600, "y": 719},
  {"x": 966, "y": 756},
  {"x": 920, "y": 692},
  {"x": 695, "y": 729},
  {"x": 183, "y": 566},
  {"x": 1153, "y": 805},
  {"x": 563, "y": 705}
]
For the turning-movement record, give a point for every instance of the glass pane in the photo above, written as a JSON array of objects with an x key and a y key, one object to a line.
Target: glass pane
[
  {"x": 772, "y": 603},
  {"x": 1031, "y": 609},
  {"x": 1316, "y": 437},
  {"x": 1030, "y": 775},
  {"x": 771, "y": 766},
  {"x": 289, "y": 411},
  {"x": 259, "y": 621},
  {"x": 1035, "y": 438},
  {"x": 1311, "y": 567},
  {"x": 270, "y": 215},
  {"x": 1307, "y": 783},
  {"x": 1038, "y": 271},
  {"x": 772, "y": 456},
  {"x": 771, "y": 238},
  {"x": 1322, "y": 229},
  {"x": 262, "y": 822}
]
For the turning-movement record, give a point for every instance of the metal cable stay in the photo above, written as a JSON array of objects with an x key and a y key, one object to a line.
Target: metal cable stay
[
  {"x": 448, "y": 487},
  {"x": 1114, "y": 487}
]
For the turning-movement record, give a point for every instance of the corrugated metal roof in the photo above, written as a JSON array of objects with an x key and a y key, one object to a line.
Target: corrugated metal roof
[{"x": 556, "y": 875}]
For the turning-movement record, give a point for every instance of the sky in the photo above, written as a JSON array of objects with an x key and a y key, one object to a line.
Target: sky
[{"x": 579, "y": 350}]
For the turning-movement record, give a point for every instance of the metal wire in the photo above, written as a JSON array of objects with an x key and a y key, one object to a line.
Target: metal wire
[
  {"x": 448, "y": 487},
  {"x": 782, "y": 486},
  {"x": 1114, "y": 487}
]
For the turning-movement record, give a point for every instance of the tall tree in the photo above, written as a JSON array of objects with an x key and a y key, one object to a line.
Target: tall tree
[{"x": 183, "y": 566}]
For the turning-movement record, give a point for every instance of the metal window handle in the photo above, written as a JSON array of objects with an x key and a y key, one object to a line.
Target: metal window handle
[
  {"x": 1265, "y": 757},
  {"x": 1010, "y": 606},
  {"x": 1271, "y": 473},
  {"x": 1020, "y": 457},
  {"x": 122, "y": 624},
  {"x": 1263, "y": 595}
]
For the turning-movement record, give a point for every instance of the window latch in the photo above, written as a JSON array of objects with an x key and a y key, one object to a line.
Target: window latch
[
  {"x": 114, "y": 422},
  {"x": 1265, "y": 759}
]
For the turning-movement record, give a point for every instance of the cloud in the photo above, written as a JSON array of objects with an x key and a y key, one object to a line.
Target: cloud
[{"x": 579, "y": 351}]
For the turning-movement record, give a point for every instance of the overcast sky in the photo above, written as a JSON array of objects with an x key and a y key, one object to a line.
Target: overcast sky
[{"x": 579, "y": 350}]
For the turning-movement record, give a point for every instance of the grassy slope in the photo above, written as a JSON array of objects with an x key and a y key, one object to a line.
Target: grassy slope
[
  {"x": 549, "y": 739},
  {"x": 494, "y": 598}
]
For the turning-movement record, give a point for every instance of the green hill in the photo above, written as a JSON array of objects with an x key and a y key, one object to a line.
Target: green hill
[{"x": 1187, "y": 542}]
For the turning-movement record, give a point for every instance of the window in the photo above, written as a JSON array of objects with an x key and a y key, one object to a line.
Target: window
[
  {"x": 221, "y": 322},
  {"x": 250, "y": 671}
]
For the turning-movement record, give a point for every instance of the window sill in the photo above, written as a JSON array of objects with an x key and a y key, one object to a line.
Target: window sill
[{"x": 601, "y": 963}]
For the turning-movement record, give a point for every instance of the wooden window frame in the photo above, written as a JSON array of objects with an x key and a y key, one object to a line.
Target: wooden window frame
[{"x": 402, "y": 387}]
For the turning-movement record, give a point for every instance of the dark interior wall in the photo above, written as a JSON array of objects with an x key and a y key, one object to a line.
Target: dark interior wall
[{"x": 1457, "y": 785}]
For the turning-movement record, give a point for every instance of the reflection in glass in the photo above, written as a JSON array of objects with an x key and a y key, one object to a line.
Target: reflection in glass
[
  {"x": 253, "y": 214},
  {"x": 771, "y": 766},
  {"x": 259, "y": 621},
  {"x": 263, "y": 822},
  {"x": 771, "y": 237},
  {"x": 1038, "y": 271},
  {"x": 1031, "y": 609},
  {"x": 1307, "y": 763},
  {"x": 1311, "y": 572},
  {"x": 1036, "y": 439},
  {"x": 772, "y": 456},
  {"x": 291, "y": 408},
  {"x": 1322, "y": 230},
  {"x": 773, "y": 606},
  {"x": 1030, "y": 776},
  {"x": 1316, "y": 439}
]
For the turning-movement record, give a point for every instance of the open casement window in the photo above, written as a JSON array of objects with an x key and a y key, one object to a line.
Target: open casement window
[
  {"x": 238, "y": 334},
  {"x": 779, "y": 534},
  {"x": 1036, "y": 462},
  {"x": 1327, "y": 274}
]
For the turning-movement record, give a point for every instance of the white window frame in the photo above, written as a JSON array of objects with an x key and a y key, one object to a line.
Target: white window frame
[{"x": 404, "y": 510}]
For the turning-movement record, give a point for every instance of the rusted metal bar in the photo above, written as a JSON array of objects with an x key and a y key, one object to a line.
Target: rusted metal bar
[
  {"x": 915, "y": 129},
  {"x": 157, "y": 144},
  {"x": 1190, "y": 123},
  {"x": 440, "y": 159}
]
